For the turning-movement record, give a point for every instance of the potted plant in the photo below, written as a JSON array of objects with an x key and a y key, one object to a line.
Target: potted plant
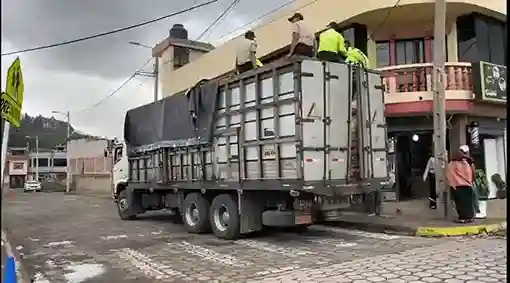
[
  {"x": 500, "y": 185},
  {"x": 481, "y": 188}
]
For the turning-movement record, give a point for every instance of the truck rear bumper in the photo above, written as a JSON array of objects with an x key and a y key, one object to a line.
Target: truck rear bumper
[{"x": 275, "y": 218}]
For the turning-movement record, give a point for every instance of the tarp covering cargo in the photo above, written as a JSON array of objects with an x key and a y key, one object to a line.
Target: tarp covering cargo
[{"x": 178, "y": 120}]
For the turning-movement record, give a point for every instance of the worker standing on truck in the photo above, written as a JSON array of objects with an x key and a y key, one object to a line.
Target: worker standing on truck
[
  {"x": 355, "y": 56},
  {"x": 331, "y": 45},
  {"x": 302, "y": 39},
  {"x": 246, "y": 58}
]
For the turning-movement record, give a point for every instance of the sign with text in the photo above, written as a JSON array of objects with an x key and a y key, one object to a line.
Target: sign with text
[
  {"x": 12, "y": 98},
  {"x": 489, "y": 82}
]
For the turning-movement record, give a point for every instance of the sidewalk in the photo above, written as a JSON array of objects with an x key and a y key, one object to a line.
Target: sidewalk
[{"x": 416, "y": 219}]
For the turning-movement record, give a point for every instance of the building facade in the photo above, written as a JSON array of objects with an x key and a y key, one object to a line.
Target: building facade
[
  {"x": 48, "y": 165},
  {"x": 87, "y": 156},
  {"x": 17, "y": 168},
  {"x": 399, "y": 40}
]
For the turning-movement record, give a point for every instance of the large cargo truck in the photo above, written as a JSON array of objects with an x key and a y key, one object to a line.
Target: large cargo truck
[{"x": 282, "y": 145}]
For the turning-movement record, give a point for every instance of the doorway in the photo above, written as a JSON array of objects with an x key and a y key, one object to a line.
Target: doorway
[{"x": 413, "y": 150}]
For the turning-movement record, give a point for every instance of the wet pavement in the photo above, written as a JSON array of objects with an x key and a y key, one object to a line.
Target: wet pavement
[{"x": 71, "y": 238}]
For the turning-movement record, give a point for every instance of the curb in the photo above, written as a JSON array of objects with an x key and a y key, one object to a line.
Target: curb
[
  {"x": 459, "y": 230},
  {"x": 20, "y": 270},
  {"x": 454, "y": 231}
]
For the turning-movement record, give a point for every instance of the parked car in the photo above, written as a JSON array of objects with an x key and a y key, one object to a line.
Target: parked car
[{"x": 32, "y": 185}]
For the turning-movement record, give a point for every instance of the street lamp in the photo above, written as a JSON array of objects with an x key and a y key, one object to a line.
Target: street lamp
[
  {"x": 154, "y": 73},
  {"x": 68, "y": 162}
]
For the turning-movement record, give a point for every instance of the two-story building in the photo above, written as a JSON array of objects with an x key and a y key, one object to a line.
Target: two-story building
[
  {"x": 398, "y": 38},
  {"x": 17, "y": 167},
  {"x": 48, "y": 165}
]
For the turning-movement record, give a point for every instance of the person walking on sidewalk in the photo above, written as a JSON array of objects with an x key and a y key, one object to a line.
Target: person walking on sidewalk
[
  {"x": 460, "y": 177},
  {"x": 430, "y": 176}
]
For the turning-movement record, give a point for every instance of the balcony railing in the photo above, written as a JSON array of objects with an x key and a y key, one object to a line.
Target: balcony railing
[{"x": 418, "y": 77}]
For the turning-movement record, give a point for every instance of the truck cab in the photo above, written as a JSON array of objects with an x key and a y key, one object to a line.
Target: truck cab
[{"x": 120, "y": 168}]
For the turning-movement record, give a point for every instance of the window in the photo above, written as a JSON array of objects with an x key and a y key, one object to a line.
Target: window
[
  {"x": 43, "y": 162},
  {"x": 410, "y": 51},
  {"x": 383, "y": 54},
  {"x": 481, "y": 38},
  {"x": 18, "y": 165},
  {"x": 59, "y": 162}
]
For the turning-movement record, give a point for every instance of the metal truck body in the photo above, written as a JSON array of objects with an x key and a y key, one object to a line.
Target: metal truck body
[{"x": 276, "y": 146}]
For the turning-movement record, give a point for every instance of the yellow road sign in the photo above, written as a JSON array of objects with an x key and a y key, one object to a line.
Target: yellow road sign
[{"x": 12, "y": 98}]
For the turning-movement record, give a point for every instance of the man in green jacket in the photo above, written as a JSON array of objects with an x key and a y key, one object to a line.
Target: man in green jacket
[
  {"x": 356, "y": 56},
  {"x": 331, "y": 45}
]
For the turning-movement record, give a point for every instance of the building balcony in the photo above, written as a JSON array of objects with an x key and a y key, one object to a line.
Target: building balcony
[{"x": 409, "y": 88}]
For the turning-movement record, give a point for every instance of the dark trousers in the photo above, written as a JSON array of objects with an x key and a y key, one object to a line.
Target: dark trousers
[
  {"x": 432, "y": 191},
  {"x": 245, "y": 67},
  {"x": 328, "y": 56},
  {"x": 463, "y": 197},
  {"x": 303, "y": 50}
]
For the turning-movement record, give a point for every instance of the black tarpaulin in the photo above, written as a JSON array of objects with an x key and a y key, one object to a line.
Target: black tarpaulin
[{"x": 182, "y": 119}]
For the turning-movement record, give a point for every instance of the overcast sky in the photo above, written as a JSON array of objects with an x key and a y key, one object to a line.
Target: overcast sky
[{"x": 75, "y": 76}]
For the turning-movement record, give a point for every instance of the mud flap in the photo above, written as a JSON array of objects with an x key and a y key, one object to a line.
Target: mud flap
[
  {"x": 134, "y": 200},
  {"x": 251, "y": 206}
]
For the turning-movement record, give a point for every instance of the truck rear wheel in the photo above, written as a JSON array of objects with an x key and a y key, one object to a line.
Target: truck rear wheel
[
  {"x": 126, "y": 212},
  {"x": 195, "y": 214},
  {"x": 224, "y": 217}
]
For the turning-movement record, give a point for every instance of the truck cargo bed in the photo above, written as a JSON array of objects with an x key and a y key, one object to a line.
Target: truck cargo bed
[{"x": 299, "y": 125}]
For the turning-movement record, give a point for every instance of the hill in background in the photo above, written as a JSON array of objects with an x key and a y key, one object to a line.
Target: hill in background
[{"x": 51, "y": 132}]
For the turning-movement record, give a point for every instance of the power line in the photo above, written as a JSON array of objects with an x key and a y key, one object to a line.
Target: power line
[
  {"x": 109, "y": 32},
  {"x": 117, "y": 89},
  {"x": 263, "y": 16},
  {"x": 384, "y": 20},
  {"x": 218, "y": 19}
]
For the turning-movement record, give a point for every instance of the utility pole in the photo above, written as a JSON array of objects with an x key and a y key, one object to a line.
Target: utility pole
[
  {"x": 155, "y": 72},
  {"x": 68, "y": 161},
  {"x": 439, "y": 85},
  {"x": 156, "y": 77},
  {"x": 37, "y": 158}
]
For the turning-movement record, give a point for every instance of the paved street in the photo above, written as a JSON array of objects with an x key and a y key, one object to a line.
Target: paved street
[{"x": 67, "y": 238}]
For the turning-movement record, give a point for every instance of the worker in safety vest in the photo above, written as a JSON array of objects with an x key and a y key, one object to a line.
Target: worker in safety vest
[
  {"x": 331, "y": 45},
  {"x": 356, "y": 56}
]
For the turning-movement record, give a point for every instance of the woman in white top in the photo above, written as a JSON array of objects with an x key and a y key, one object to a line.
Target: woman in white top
[{"x": 430, "y": 175}]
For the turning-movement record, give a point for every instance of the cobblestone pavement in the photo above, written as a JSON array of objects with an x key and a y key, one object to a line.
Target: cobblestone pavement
[{"x": 68, "y": 238}]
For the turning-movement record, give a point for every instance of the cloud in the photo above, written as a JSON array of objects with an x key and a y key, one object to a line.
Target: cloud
[{"x": 75, "y": 76}]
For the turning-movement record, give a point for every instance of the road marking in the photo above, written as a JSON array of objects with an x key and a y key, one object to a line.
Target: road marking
[
  {"x": 210, "y": 255},
  {"x": 148, "y": 267},
  {"x": 265, "y": 246},
  {"x": 58, "y": 244},
  {"x": 83, "y": 271},
  {"x": 364, "y": 234},
  {"x": 115, "y": 237},
  {"x": 338, "y": 244}
]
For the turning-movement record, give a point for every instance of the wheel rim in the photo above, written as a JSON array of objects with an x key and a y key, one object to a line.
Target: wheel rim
[
  {"x": 192, "y": 216},
  {"x": 221, "y": 218},
  {"x": 123, "y": 204}
]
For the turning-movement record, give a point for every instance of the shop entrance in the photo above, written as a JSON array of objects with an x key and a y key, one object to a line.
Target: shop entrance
[{"x": 412, "y": 151}]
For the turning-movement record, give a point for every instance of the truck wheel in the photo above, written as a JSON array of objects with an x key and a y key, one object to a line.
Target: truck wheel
[
  {"x": 195, "y": 214},
  {"x": 125, "y": 212},
  {"x": 224, "y": 217}
]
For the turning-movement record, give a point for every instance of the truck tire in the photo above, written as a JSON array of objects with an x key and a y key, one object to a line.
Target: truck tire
[
  {"x": 125, "y": 211},
  {"x": 224, "y": 217},
  {"x": 195, "y": 213}
]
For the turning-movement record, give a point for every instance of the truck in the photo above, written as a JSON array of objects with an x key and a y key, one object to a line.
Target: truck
[{"x": 284, "y": 145}]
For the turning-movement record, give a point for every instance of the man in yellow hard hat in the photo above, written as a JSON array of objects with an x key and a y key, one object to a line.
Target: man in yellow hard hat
[{"x": 331, "y": 45}]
